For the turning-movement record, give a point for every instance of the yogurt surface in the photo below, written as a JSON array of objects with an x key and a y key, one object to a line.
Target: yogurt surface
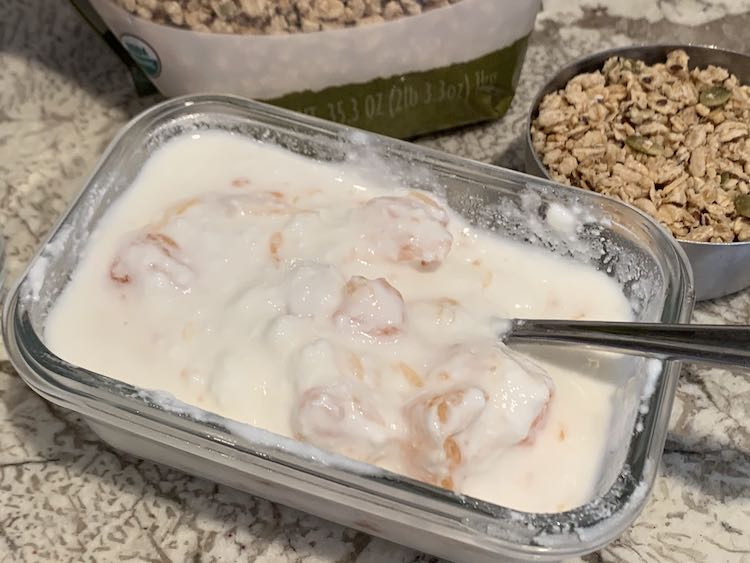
[{"x": 313, "y": 301}]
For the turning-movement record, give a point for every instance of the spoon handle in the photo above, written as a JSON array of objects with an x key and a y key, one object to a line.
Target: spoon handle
[{"x": 706, "y": 344}]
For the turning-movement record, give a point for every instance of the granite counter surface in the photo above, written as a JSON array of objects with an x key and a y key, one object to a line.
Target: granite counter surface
[{"x": 66, "y": 496}]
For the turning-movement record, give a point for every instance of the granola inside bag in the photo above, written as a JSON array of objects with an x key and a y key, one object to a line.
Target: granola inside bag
[
  {"x": 397, "y": 67},
  {"x": 266, "y": 17}
]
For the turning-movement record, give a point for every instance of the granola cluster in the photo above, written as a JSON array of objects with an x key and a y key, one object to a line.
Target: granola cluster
[
  {"x": 262, "y": 17},
  {"x": 672, "y": 141}
]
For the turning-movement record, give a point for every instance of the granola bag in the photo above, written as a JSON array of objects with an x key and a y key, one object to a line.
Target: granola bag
[{"x": 397, "y": 67}]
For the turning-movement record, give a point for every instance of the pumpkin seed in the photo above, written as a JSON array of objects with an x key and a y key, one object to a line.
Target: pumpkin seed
[
  {"x": 715, "y": 96},
  {"x": 644, "y": 145},
  {"x": 742, "y": 205}
]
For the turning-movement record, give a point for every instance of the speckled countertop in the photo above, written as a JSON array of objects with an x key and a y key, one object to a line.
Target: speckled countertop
[{"x": 66, "y": 496}]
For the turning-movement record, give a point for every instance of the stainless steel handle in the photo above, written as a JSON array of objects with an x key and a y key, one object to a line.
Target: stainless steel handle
[{"x": 706, "y": 344}]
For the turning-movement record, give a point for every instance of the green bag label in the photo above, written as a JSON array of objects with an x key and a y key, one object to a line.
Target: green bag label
[
  {"x": 143, "y": 54},
  {"x": 420, "y": 102}
]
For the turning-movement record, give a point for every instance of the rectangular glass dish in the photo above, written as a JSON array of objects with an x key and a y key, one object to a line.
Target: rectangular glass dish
[{"x": 613, "y": 237}]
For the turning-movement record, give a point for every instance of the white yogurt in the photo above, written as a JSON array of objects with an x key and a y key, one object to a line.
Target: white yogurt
[{"x": 361, "y": 317}]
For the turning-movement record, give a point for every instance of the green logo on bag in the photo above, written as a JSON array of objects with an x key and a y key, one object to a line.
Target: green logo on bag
[{"x": 143, "y": 54}]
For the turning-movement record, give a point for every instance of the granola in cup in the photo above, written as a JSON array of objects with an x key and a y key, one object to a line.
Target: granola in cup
[{"x": 666, "y": 138}]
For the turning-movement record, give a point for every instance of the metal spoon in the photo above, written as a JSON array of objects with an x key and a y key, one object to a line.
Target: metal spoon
[{"x": 705, "y": 344}]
